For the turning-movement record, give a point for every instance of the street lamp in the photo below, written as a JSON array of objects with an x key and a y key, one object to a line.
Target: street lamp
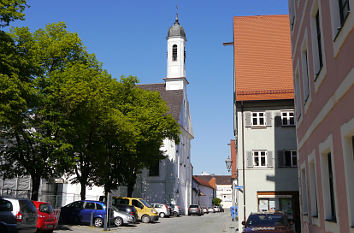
[{"x": 228, "y": 162}]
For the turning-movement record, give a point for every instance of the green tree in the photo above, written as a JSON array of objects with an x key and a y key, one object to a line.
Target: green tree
[
  {"x": 11, "y": 10},
  {"x": 216, "y": 201},
  {"x": 32, "y": 122},
  {"x": 149, "y": 114}
]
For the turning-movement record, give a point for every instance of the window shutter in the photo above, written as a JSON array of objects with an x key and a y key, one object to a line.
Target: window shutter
[
  {"x": 281, "y": 158},
  {"x": 269, "y": 118},
  {"x": 277, "y": 119},
  {"x": 248, "y": 120},
  {"x": 249, "y": 159},
  {"x": 269, "y": 159}
]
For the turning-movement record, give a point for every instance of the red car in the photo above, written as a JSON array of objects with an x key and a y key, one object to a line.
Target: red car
[{"x": 47, "y": 221}]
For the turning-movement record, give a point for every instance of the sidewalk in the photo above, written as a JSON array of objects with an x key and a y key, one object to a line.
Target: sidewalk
[{"x": 231, "y": 227}]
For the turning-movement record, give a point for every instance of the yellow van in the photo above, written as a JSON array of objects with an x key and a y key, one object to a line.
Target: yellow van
[{"x": 146, "y": 213}]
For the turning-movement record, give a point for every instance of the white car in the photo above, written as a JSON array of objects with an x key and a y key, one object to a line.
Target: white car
[
  {"x": 121, "y": 217},
  {"x": 162, "y": 209}
]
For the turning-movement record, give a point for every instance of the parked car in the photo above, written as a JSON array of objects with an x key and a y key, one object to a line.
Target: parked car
[
  {"x": 82, "y": 212},
  {"x": 162, "y": 209},
  {"x": 268, "y": 222},
  {"x": 46, "y": 221},
  {"x": 211, "y": 210},
  {"x": 176, "y": 210},
  {"x": 205, "y": 210},
  {"x": 121, "y": 217},
  {"x": 146, "y": 213},
  {"x": 221, "y": 209},
  {"x": 17, "y": 215},
  {"x": 129, "y": 209},
  {"x": 194, "y": 209},
  {"x": 216, "y": 209}
]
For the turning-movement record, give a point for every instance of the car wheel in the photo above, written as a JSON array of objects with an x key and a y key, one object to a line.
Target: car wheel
[
  {"x": 48, "y": 231},
  {"x": 175, "y": 214},
  {"x": 145, "y": 219},
  {"x": 98, "y": 222},
  {"x": 118, "y": 221},
  {"x": 162, "y": 215}
]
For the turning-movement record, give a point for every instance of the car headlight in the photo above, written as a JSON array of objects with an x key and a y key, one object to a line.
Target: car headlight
[{"x": 154, "y": 211}]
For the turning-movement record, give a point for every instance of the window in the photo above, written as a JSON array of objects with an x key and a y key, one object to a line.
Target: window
[
  {"x": 154, "y": 169},
  {"x": 319, "y": 59},
  {"x": 90, "y": 205},
  {"x": 259, "y": 159},
  {"x": 305, "y": 75},
  {"x": 344, "y": 10},
  {"x": 332, "y": 216},
  {"x": 287, "y": 158},
  {"x": 290, "y": 158},
  {"x": 99, "y": 207},
  {"x": 313, "y": 190},
  {"x": 258, "y": 119},
  {"x": 304, "y": 192},
  {"x": 137, "y": 203},
  {"x": 174, "y": 52},
  {"x": 298, "y": 101},
  {"x": 287, "y": 118}
]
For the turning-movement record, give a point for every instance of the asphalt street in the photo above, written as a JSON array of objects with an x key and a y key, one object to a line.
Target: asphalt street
[{"x": 209, "y": 223}]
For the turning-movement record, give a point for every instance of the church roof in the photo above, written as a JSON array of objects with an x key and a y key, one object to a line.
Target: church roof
[
  {"x": 173, "y": 98},
  {"x": 176, "y": 30}
]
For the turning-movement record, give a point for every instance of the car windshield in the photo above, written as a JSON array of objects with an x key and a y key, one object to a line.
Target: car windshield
[
  {"x": 46, "y": 208},
  {"x": 269, "y": 220},
  {"x": 145, "y": 203}
]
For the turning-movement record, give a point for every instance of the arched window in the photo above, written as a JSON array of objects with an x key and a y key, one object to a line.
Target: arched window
[{"x": 174, "y": 52}]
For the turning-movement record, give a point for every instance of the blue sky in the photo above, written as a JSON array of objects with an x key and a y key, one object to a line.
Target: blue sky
[{"x": 129, "y": 38}]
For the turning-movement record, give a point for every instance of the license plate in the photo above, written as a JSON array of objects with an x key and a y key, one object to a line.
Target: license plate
[{"x": 49, "y": 226}]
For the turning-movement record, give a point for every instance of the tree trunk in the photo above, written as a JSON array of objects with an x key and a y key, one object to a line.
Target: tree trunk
[
  {"x": 131, "y": 184},
  {"x": 83, "y": 189},
  {"x": 36, "y": 181}
]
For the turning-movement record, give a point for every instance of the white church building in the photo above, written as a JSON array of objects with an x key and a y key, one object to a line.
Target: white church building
[{"x": 171, "y": 180}]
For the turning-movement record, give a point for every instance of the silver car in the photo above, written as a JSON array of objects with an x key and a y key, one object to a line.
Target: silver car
[
  {"x": 17, "y": 215},
  {"x": 162, "y": 209},
  {"x": 121, "y": 217}
]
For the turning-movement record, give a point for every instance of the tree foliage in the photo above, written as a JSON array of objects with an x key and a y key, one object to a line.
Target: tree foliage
[
  {"x": 216, "y": 201},
  {"x": 60, "y": 112},
  {"x": 11, "y": 10}
]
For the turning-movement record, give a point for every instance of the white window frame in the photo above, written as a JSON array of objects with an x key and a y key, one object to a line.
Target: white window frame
[
  {"x": 317, "y": 77},
  {"x": 324, "y": 148},
  {"x": 347, "y": 132},
  {"x": 258, "y": 118},
  {"x": 258, "y": 153},
  {"x": 304, "y": 192},
  {"x": 287, "y": 117},
  {"x": 313, "y": 189}
]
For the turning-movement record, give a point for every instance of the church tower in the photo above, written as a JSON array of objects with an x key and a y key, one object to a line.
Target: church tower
[{"x": 176, "y": 57}]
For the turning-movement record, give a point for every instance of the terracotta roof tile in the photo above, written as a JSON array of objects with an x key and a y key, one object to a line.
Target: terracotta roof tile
[{"x": 262, "y": 50}]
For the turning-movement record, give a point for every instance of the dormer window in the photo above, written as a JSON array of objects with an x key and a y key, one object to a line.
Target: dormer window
[{"x": 174, "y": 52}]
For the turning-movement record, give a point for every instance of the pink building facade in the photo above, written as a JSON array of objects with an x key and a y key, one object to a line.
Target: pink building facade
[{"x": 322, "y": 35}]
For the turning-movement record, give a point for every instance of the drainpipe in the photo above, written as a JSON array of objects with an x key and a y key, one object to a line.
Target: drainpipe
[{"x": 243, "y": 163}]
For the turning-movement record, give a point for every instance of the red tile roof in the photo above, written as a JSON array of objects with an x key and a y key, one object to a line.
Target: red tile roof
[
  {"x": 210, "y": 183},
  {"x": 262, "y": 51}
]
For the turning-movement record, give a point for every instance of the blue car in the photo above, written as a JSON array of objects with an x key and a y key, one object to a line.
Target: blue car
[{"x": 81, "y": 212}]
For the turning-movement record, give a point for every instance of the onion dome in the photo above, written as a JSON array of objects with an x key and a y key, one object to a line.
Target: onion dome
[{"x": 176, "y": 30}]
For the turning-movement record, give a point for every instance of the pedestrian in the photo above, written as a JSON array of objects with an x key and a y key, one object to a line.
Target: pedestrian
[{"x": 233, "y": 212}]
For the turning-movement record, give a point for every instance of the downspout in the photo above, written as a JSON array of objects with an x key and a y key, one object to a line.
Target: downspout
[{"x": 243, "y": 164}]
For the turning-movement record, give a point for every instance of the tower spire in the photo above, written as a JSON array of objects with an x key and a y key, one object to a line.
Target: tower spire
[{"x": 176, "y": 14}]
